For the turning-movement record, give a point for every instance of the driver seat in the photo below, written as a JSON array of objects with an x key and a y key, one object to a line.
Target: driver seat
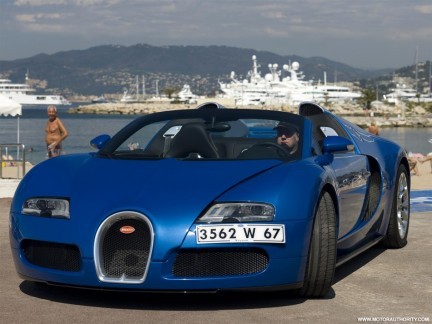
[{"x": 192, "y": 139}]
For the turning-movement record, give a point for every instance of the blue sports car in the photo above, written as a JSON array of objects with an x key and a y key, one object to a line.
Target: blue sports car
[{"x": 212, "y": 199}]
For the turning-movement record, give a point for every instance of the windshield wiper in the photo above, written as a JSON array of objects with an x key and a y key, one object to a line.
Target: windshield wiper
[{"x": 105, "y": 154}]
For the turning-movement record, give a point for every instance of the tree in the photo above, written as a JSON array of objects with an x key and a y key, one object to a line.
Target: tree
[
  {"x": 367, "y": 96},
  {"x": 169, "y": 91}
]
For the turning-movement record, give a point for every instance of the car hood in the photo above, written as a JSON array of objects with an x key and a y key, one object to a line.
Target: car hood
[
  {"x": 164, "y": 188},
  {"x": 171, "y": 193}
]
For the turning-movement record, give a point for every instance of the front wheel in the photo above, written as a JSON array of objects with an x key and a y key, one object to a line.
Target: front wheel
[
  {"x": 397, "y": 230},
  {"x": 321, "y": 262}
]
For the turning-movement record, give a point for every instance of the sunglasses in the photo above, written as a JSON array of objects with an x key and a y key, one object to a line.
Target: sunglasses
[{"x": 286, "y": 132}]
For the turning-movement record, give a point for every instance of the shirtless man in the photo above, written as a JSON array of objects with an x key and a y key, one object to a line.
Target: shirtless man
[
  {"x": 55, "y": 132},
  {"x": 373, "y": 128}
]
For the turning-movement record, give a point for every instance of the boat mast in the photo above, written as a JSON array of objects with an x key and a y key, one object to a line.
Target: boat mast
[
  {"x": 430, "y": 78},
  {"x": 255, "y": 74},
  {"x": 254, "y": 65},
  {"x": 137, "y": 87},
  {"x": 416, "y": 70},
  {"x": 143, "y": 86}
]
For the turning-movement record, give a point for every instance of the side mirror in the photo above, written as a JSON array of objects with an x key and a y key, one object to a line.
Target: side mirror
[
  {"x": 333, "y": 144},
  {"x": 99, "y": 141}
]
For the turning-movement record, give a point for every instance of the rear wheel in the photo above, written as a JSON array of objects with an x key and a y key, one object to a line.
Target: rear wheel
[
  {"x": 322, "y": 251},
  {"x": 397, "y": 230}
]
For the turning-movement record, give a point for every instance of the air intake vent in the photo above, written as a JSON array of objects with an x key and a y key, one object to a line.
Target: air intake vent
[
  {"x": 52, "y": 255},
  {"x": 219, "y": 262}
]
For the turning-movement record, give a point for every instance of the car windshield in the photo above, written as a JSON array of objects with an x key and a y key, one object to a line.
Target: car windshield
[{"x": 222, "y": 134}]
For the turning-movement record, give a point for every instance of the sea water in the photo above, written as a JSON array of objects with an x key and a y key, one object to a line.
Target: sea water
[{"x": 83, "y": 128}]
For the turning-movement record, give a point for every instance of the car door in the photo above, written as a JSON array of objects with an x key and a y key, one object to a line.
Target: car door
[{"x": 352, "y": 174}]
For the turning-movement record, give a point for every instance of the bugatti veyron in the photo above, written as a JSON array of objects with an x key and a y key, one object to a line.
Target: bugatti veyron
[{"x": 211, "y": 199}]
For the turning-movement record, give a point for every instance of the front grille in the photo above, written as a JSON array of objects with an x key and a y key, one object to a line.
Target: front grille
[
  {"x": 52, "y": 255},
  {"x": 219, "y": 262},
  {"x": 123, "y": 256}
]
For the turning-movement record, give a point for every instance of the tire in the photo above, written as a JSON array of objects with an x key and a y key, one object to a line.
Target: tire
[
  {"x": 321, "y": 262},
  {"x": 397, "y": 230}
]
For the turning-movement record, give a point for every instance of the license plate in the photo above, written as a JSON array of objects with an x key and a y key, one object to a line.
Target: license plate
[{"x": 240, "y": 233}]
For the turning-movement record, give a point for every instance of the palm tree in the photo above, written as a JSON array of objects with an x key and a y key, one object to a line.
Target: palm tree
[
  {"x": 367, "y": 96},
  {"x": 169, "y": 91}
]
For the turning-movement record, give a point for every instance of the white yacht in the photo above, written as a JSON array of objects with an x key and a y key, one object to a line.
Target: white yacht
[
  {"x": 25, "y": 95},
  {"x": 276, "y": 88},
  {"x": 129, "y": 98},
  {"x": 133, "y": 95},
  {"x": 100, "y": 99},
  {"x": 401, "y": 93},
  {"x": 186, "y": 95}
]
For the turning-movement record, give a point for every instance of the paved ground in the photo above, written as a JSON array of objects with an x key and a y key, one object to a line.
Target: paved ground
[{"x": 380, "y": 283}]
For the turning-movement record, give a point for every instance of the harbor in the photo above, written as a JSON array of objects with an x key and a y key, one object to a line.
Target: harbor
[{"x": 384, "y": 115}]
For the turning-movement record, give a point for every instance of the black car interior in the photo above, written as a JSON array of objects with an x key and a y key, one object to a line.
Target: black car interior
[
  {"x": 196, "y": 138},
  {"x": 193, "y": 139}
]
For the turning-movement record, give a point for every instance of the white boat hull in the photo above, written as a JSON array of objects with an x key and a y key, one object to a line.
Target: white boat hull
[
  {"x": 38, "y": 99},
  {"x": 272, "y": 89},
  {"x": 23, "y": 94}
]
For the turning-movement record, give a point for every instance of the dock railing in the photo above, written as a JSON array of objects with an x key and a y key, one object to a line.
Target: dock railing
[{"x": 12, "y": 156}]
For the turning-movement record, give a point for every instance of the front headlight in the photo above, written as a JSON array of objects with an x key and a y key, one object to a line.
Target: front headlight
[
  {"x": 238, "y": 213},
  {"x": 47, "y": 207}
]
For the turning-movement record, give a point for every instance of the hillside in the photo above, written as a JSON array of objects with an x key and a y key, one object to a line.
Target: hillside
[{"x": 113, "y": 68}]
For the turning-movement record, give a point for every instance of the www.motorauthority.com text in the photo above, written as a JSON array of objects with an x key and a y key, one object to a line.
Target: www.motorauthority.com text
[{"x": 392, "y": 319}]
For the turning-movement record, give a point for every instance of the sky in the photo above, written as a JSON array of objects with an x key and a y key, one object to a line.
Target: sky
[{"x": 368, "y": 34}]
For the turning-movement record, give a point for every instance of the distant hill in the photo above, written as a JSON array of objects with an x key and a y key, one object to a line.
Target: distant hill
[{"x": 113, "y": 68}]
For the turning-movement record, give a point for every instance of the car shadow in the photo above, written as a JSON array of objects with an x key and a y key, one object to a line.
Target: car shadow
[
  {"x": 186, "y": 301},
  {"x": 160, "y": 301},
  {"x": 356, "y": 263}
]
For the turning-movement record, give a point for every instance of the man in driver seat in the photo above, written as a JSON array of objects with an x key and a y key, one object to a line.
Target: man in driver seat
[{"x": 288, "y": 136}]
